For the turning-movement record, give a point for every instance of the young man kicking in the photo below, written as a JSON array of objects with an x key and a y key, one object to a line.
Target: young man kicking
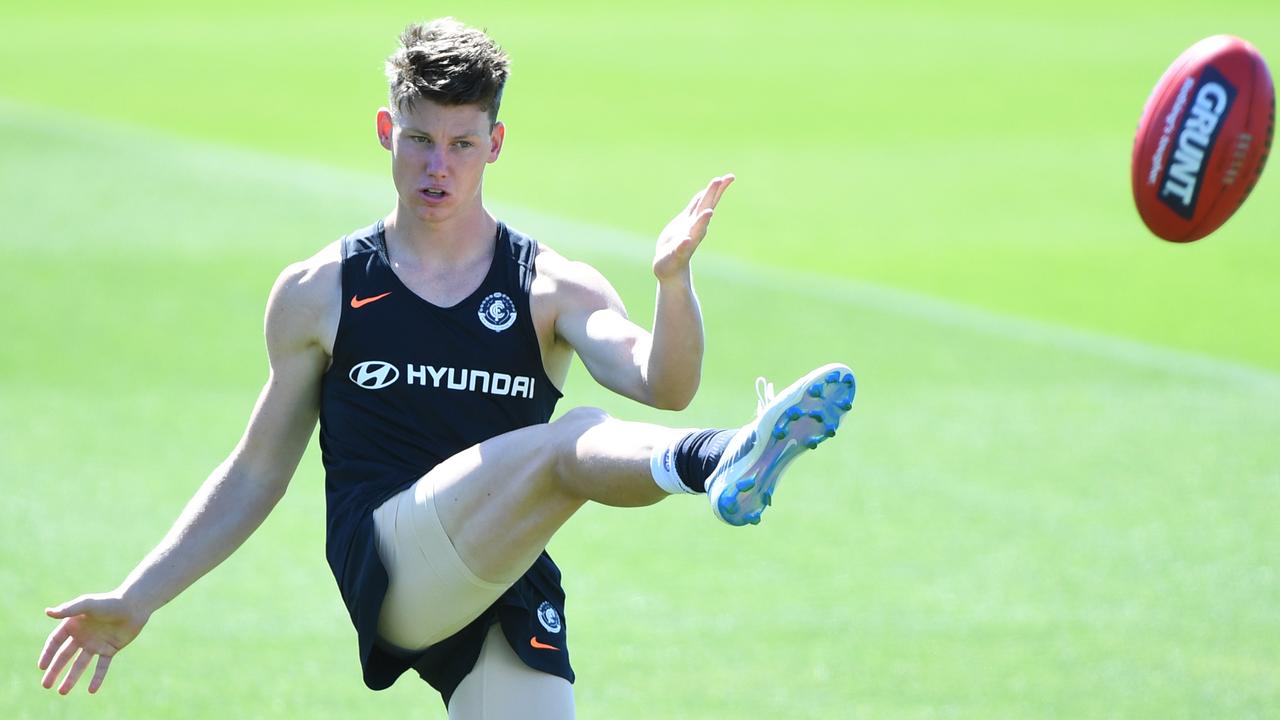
[{"x": 431, "y": 346}]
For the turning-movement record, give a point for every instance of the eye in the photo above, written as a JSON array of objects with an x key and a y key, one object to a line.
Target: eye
[
  {"x": 420, "y": 139},
  {"x": 463, "y": 144}
]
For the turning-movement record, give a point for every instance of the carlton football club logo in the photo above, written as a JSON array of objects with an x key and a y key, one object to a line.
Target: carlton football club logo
[
  {"x": 549, "y": 618},
  {"x": 497, "y": 312}
]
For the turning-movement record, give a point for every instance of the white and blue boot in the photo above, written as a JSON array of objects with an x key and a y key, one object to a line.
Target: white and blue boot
[{"x": 786, "y": 425}]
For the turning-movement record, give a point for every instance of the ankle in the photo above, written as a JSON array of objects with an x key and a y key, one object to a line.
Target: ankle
[{"x": 685, "y": 464}]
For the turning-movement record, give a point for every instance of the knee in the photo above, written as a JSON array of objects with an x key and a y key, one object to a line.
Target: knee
[
  {"x": 577, "y": 420},
  {"x": 566, "y": 432},
  {"x": 568, "y": 428}
]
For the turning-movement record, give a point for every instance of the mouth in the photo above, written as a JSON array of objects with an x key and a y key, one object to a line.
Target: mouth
[{"x": 433, "y": 195}]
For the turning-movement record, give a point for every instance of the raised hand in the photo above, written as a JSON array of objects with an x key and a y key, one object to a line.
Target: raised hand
[
  {"x": 92, "y": 625},
  {"x": 682, "y": 235}
]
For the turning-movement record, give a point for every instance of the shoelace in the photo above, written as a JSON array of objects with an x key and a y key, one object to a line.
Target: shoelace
[{"x": 764, "y": 394}]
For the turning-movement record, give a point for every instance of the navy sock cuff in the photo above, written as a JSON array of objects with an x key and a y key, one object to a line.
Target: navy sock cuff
[{"x": 697, "y": 455}]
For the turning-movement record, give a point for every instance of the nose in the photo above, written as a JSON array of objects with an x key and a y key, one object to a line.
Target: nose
[{"x": 436, "y": 162}]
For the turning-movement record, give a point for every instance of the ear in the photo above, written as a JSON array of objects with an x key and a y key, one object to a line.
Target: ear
[
  {"x": 496, "y": 136},
  {"x": 385, "y": 126}
]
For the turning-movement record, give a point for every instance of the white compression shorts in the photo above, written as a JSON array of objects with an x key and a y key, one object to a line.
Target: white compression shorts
[{"x": 432, "y": 594}]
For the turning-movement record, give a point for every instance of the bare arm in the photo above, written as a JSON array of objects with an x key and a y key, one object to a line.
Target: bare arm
[
  {"x": 663, "y": 368},
  {"x": 243, "y": 490},
  {"x": 227, "y": 508}
]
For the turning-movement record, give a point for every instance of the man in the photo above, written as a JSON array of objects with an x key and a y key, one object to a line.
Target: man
[{"x": 431, "y": 347}]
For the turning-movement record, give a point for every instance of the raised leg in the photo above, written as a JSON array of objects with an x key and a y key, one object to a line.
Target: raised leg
[
  {"x": 502, "y": 500},
  {"x": 470, "y": 527}
]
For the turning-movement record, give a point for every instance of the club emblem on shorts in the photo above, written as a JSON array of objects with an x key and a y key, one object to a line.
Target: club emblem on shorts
[
  {"x": 497, "y": 312},
  {"x": 374, "y": 374},
  {"x": 549, "y": 618}
]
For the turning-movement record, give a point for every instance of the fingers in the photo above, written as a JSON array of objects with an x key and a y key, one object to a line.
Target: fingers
[
  {"x": 725, "y": 182},
  {"x": 60, "y": 660},
  {"x": 711, "y": 195},
  {"x": 76, "y": 638},
  {"x": 104, "y": 661},
  {"x": 697, "y": 199},
  {"x": 681, "y": 237},
  {"x": 67, "y": 609},
  {"x": 699, "y": 229},
  {"x": 77, "y": 669},
  {"x": 56, "y": 638}
]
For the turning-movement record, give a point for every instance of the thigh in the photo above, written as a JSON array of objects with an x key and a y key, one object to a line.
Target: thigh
[
  {"x": 431, "y": 593},
  {"x": 499, "y": 502},
  {"x": 501, "y": 687},
  {"x": 502, "y": 500}
]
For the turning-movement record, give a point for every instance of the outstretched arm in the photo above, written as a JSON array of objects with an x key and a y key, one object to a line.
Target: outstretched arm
[
  {"x": 675, "y": 358},
  {"x": 227, "y": 508},
  {"x": 663, "y": 368}
]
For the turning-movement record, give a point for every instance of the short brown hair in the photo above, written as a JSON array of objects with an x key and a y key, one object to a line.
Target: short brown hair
[{"x": 449, "y": 63}]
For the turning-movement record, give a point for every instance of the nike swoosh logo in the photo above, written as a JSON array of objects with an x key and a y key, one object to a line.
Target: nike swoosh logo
[
  {"x": 358, "y": 303},
  {"x": 533, "y": 642}
]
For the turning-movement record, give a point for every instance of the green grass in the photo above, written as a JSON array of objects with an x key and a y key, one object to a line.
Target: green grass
[
  {"x": 976, "y": 152},
  {"x": 1062, "y": 509}
]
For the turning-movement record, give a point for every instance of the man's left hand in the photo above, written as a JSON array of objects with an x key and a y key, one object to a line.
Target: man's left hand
[{"x": 682, "y": 235}]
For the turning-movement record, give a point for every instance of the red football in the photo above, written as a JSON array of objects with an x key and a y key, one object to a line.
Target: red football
[{"x": 1203, "y": 138}]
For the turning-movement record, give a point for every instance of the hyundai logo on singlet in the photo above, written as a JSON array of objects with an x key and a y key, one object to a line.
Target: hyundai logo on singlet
[{"x": 374, "y": 374}]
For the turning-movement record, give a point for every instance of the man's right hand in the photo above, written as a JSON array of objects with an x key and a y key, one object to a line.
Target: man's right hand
[{"x": 100, "y": 625}]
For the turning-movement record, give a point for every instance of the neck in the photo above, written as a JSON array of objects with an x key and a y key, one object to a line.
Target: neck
[{"x": 456, "y": 240}]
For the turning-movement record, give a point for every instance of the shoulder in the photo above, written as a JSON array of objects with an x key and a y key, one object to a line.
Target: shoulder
[
  {"x": 310, "y": 284},
  {"x": 572, "y": 282},
  {"x": 306, "y": 298}
]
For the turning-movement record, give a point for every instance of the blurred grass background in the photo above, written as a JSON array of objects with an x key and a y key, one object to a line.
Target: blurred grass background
[{"x": 1055, "y": 497}]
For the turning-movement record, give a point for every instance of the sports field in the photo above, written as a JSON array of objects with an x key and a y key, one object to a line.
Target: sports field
[{"x": 1057, "y": 495}]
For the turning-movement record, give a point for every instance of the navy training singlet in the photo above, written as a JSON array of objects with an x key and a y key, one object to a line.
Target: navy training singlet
[{"x": 411, "y": 384}]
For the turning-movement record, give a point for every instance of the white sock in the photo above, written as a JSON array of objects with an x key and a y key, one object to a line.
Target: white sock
[{"x": 663, "y": 468}]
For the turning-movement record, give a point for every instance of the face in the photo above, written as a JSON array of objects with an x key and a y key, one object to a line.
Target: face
[{"x": 438, "y": 155}]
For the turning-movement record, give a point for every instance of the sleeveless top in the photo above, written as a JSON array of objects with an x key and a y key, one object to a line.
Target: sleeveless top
[{"x": 412, "y": 383}]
